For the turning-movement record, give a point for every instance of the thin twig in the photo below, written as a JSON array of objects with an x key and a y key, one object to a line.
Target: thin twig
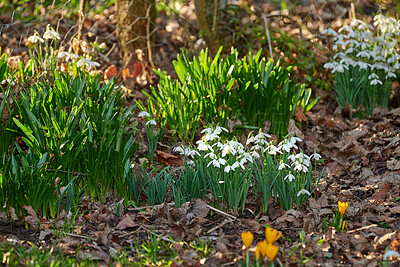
[
  {"x": 268, "y": 37},
  {"x": 224, "y": 213}
]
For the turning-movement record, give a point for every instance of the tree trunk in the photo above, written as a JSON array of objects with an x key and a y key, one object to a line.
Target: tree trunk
[{"x": 135, "y": 29}]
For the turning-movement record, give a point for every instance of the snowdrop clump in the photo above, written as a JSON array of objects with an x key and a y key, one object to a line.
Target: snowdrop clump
[
  {"x": 365, "y": 61},
  {"x": 230, "y": 157}
]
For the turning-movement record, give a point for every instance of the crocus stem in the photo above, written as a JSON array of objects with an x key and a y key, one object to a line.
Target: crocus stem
[{"x": 247, "y": 258}]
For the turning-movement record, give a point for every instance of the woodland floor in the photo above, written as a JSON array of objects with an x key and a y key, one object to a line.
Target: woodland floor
[{"x": 361, "y": 167}]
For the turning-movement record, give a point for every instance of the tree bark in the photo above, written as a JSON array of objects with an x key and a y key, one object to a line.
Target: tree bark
[{"x": 135, "y": 29}]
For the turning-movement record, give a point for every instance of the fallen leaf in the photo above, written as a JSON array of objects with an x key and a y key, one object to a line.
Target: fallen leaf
[
  {"x": 126, "y": 222},
  {"x": 32, "y": 219},
  {"x": 299, "y": 114},
  {"x": 167, "y": 158},
  {"x": 380, "y": 194}
]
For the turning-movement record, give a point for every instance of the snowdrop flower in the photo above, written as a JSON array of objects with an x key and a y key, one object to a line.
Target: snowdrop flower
[
  {"x": 68, "y": 56},
  {"x": 191, "y": 153},
  {"x": 300, "y": 167},
  {"x": 34, "y": 39},
  {"x": 250, "y": 140},
  {"x": 203, "y": 146},
  {"x": 144, "y": 114},
  {"x": 88, "y": 63},
  {"x": 217, "y": 163},
  {"x": 236, "y": 165},
  {"x": 132, "y": 165},
  {"x": 228, "y": 149},
  {"x": 8, "y": 81},
  {"x": 329, "y": 31},
  {"x": 51, "y": 33},
  {"x": 316, "y": 156},
  {"x": 363, "y": 65},
  {"x": 151, "y": 122},
  {"x": 342, "y": 43},
  {"x": 227, "y": 168},
  {"x": 303, "y": 191},
  {"x": 219, "y": 129},
  {"x": 376, "y": 82},
  {"x": 179, "y": 150},
  {"x": 373, "y": 76},
  {"x": 211, "y": 155},
  {"x": 273, "y": 150},
  {"x": 345, "y": 28},
  {"x": 340, "y": 68},
  {"x": 290, "y": 177},
  {"x": 255, "y": 155},
  {"x": 390, "y": 253},
  {"x": 363, "y": 54},
  {"x": 248, "y": 157},
  {"x": 283, "y": 166},
  {"x": 222, "y": 161},
  {"x": 390, "y": 75}
]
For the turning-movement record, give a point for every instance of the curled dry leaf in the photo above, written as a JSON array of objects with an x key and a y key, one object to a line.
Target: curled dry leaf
[{"x": 126, "y": 222}]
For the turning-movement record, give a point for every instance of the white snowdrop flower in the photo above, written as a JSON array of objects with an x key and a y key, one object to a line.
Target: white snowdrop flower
[
  {"x": 211, "y": 136},
  {"x": 355, "y": 22},
  {"x": 286, "y": 146},
  {"x": 390, "y": 253},
  {"x": 390, "y": 75},
  {"x": 303, "y": 191},
  {"x": 132, "y": 165},
  {"x": 227, "y": 168},
  {"x": 255, "y": 155},
  {"x": 380, "y": 66},
  {"x": 179, "y": 150},
  {"x": 379, "y": 58},
  {"x": 228, "y": 149},
  {"x": 222, "y": 161},
  {"x": 290, "y": 177},
  {"x": 303, "y": 158},
  {"x": 215, "y": 163},
  {"x": 396, "y": 66},
  {"x": 191, "y": 163},
  {"x": 255, "y": 147},
  {"x": 373, "y": 76},
  {"x": 392, "y": 59},
  {"x": 316, "y": 156},
  {"x": 211, "y": 155},
  {"x": 363, "y": 65},
  {"x": 342, "y": 43},
  {"x": 262, "y": 135},
  {"x": 273, "y": 150},
  {"x": 376, "y": 82},
  {"x": 144, "y": 114},
  {"x": 340, "y": 68},
  {"x": 283, "y": 166},
  {"x": 34, "y": 39},
  {"x": 329, "y": 31},
  {"x": 363, "y": 54},
  {"x": 68, "y": 56},
  {"x": 237, "y": 165},
  {"x": 329, "y": 65},
  {"x": 207, "y": 130},
  {"x": 248, "y": 157},
  {"x": 243, "y": 161},
  {"x": 250, "y": 140},
  {"x": 219, "y": 129},
  {"x": 340, "y": 55},
  {"x": 151, "y": 122},
  {"x": 363, "y": 45},
  {"x": 84, "y": 62},
  {"x": 51, "y": 34},
  {"x": 202, "y": 146},
  {"x": 8, "y": 80},
  {"x": 345, "y": 28},
  {"x": 349, "y": 50},
  {"x": 191, "y": 153},
  {"x": 354, "y": 42}
]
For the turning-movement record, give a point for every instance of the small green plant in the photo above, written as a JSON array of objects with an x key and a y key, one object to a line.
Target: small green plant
[
  {"x": 365, "y": 63},
  {"x": 210, "y": 90},
  {"x": 152, "y": 137},
  {"x": 338, "y": 220}
]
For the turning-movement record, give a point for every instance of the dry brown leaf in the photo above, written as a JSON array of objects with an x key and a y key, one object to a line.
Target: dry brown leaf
[
  {"x": 359, "y": 242},
  {"x": 126, "y": 222},
  {"x": 200, "y": 208},
  {"x": 380, "y": 194},
  {"x": 167, "y": 158},
  {"x": 299, "y": 114},
  {"x": 294, "y": 130},
  {"x": 32, "y": 219}
]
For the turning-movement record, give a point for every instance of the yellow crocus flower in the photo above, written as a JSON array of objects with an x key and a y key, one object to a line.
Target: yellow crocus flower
[
  {"x": 342, "y": 207},
  {"x": 271, "y": 235},
  {"x": 247, "y": 239},
  {"x": 272, "y": 250}
]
